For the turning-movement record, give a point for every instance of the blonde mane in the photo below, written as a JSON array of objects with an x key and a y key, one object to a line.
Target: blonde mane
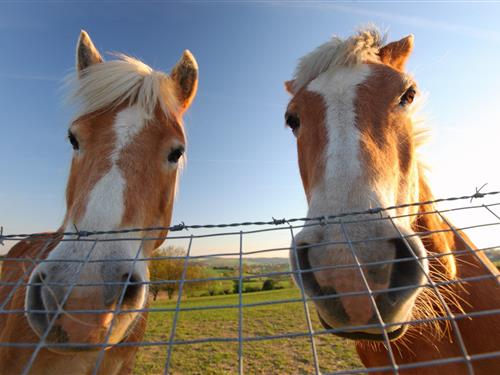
[
  {"x": 361, "y": 47},
  {"x": 111, "y": 83}
]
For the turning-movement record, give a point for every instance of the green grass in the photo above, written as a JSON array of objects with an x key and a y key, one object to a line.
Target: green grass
[{"x": 271, "y": 356}]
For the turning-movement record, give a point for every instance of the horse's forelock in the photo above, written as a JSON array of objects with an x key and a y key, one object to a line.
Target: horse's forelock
[{"x": 337, "y": 52}]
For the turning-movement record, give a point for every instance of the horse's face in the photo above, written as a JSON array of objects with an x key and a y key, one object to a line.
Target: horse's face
[
  {"x": 123, "y": 175},
  {"x": 355, "y": 144}
]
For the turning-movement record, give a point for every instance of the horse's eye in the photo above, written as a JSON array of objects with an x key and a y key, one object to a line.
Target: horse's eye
[
  {"x": 73, "y": 141},
  {"x": 408, "y": 96},
  {"x": 292, "y": 121},
  {"x": 176, "y": 154}
]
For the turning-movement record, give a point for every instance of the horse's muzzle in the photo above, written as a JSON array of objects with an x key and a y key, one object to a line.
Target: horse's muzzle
[
  {"x": 80, "y": 314},
  {"x": 362, "y": 301}
]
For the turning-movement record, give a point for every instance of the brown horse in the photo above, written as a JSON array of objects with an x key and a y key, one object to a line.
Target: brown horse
[
  {"x": 128, "y": 142},
  {"x": 406, "y": 297}
]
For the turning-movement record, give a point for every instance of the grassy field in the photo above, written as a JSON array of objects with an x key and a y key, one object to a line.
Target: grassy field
[{"x": 270, "y": 356}]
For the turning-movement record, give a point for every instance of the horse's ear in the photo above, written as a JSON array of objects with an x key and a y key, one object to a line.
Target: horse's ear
[
  {"x": 396, "y": 54},
  {"x": 185, "y": 74},
  {"x": 86, "y": 53},
  {"x": 289, "y": 86}
]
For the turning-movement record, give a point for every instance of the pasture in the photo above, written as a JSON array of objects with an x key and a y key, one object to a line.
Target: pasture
[{"x": 285, "y": 356}]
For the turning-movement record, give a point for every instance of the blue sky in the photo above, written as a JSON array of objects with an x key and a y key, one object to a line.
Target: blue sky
[{"x": 241, "y": 160}]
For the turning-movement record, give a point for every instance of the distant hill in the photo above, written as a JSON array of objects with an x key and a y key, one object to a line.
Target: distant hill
[
  {"x": 493, "y": 254},
  {"x": 234, "y": 262}
]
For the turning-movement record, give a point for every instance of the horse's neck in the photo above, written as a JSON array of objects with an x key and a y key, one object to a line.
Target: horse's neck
[
  {"x": 465, "y": 259},
  {"x": 474, "y": 276}
]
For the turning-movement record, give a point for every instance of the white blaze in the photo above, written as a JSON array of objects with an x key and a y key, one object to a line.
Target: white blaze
[
  {"x": 128, "y": 124},
  {"x": 105, "y": 207},
  {"x": 342, "y": 164}
]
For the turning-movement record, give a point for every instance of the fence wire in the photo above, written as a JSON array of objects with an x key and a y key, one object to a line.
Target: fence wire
[{"x": 255, "y": 332}]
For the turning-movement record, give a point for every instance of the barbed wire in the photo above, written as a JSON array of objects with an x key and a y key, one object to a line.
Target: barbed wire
[{"x": 182, "y": 226}]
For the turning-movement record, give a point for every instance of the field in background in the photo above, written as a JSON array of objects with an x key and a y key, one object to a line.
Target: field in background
[{"x": 272, "y": 356}]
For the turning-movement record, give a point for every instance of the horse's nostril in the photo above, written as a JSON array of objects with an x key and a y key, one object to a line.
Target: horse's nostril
[
  {"x": 35, "y": 292},
  {"x": 35, "y": 306},
  {"x": 300, "y": 260},
  {"x": 302, "y": 256},
  {"x": 133, "y": 290},
  {"x": 406, "y": 271}
]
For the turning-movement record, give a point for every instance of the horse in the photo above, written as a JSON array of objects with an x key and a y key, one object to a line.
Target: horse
[
  {"x": 67, "y": 301},
  {"x": 409, "y": 288}
]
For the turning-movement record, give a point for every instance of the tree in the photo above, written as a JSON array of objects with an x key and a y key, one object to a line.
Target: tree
[
  {"x": 169, "y": 268},
  {"x": 269, "y": 284}
]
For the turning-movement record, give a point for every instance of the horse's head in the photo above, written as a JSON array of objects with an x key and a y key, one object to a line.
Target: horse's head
[
  {"x": 351, "y": 114},
  {"x": 128, "y": 142}
]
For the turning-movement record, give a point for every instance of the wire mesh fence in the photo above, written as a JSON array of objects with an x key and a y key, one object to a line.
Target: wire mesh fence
[{"x": 224, "y": 319}]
